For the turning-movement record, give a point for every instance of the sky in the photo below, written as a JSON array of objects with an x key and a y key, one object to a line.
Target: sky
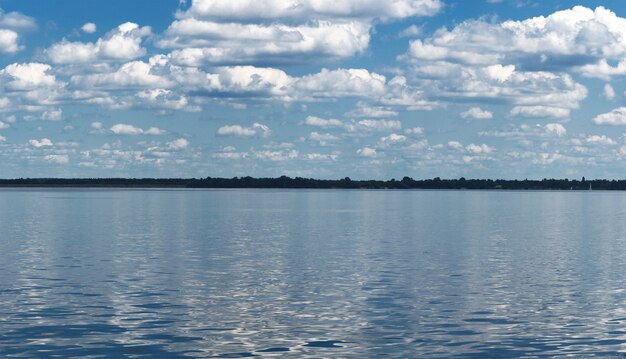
[{"x": 366, "y": 89}]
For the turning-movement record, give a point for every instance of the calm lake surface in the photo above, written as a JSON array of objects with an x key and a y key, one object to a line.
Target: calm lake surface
[{"x": 271, "y": 273}]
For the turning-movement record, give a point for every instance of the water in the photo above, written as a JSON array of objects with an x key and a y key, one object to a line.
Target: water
[{"x": 264, "y": 273}]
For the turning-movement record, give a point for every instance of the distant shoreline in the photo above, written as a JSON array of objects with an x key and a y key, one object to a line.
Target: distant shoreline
[{"x": 309, "y": 183}]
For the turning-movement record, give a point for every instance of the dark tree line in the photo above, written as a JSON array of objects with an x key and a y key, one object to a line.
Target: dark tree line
[{"x": 299, "y": 182}]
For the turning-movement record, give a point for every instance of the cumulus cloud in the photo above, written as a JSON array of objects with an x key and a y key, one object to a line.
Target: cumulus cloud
[
  {"x": 556, "y": 129},
  {"x": 125, "y": 129},
  {"x": 540, "y": 112},
  {"x": 367, "y": 152},
  {"x": 218, "y": 32},
  {"x": 5, "y": 103},
  {"x": 524, "y": 132},
  {"x": 476, "y": 113},
  {"x": 135, "y": 74},
  {"x": 164, "y": 85},
  {"x": 121, "y": 44},
  {"x": 375, "y": 125},
  {"x": 164, "y": 99},
  {"x": 523, "y": 63},
  {"x": 178, "y": 144},
  {"x": 322, "y": 138},
  {"x": 16, "y": 21},
  {"x": 89, "y": 28},
  {"x": 52, "y": 115},
  {"x": 414, "y": 131},
  {"x": 256, "y": 129},
  {"x": 615, "y": 117},
  {"x": 27, "y": 76},
  {"x": 276, "y": 156},
  {"x": 600, "y": 140},
  {"x": 608, "y": 92},
  {"x": 10, "y": 25},
  {"x": 44, "y": 142},
  {"x": 392, "y": 139},
  {"x": 455, "y": 145},
  {"x": 199, "y": 42},
  {"x": 324, "y": 123},
  {"x": 303, "y": 10},
  {"x": 58, "y": 159},
  {"x": 9, "y": 41},
  {"x": 322, "y": 156},
  {"x": 411, "y": 31},
  {"x": 478, "y": 149},
  {"x": 365, "y": 111},
  {"x": 570, "y": 38},
  {"x": 471, "y": 148}
]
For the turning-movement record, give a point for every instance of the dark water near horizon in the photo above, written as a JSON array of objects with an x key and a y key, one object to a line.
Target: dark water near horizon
[{"x": 317, "y": 274}]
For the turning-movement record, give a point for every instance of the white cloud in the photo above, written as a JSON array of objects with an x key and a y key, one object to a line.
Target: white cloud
[
  {"x": 615, "y": 117},
  {"x": 164, "y": 99},
  {"x": 570, "y": 38},
  {"x": 9, "y": 41},
  {"x": 89, "y": 28},
  {"x": 600, "y": 140},
  {"x": 10, "y": 25},
  {"x": 324, "y": 123},
  {"x": 120, "y": 44},
  {"x": 167, "y": 86},
  {"x": 367, "y": 152},
  {"x": 392, "y": 139},
  {"x": 556, "y": 129},
  {"x": 322, "y": 156},
  {"x": 342, "y": 83},
  {"x": 27, "y": 76},
  {"x": 455, "y": 145},
  {"x": 276, "y": 156},
  {"x": 130, "y": 75},
  {"x": 411, "y": 31},
  {"x": 178, "y": 144},
  {"x": 478, "y": 149},
  {"x": 58, "y": 159},
  {"x": 16, "y": 21},
  {"x": 523, "y": 63},
  {"x": 477, "y": 113},
  {"x": 608, "y": 92},
  {"x": 96, "y": 125},
  {"x": 303, "y": 10},
  {"x": 52, "y": 115},
  {"x": 154, "y": 131},
  {"x": 540, "y": 112},
  {"x": 5, "y": 103},
  {"x": 365, "y": 111},
  {"x": 4, "y": 126},
  {"x": 246, "y": 31},
  {"x": 414, "y": 131},
  {"x": 205, "y": 42},
  {"x": 376, "y": 125},
  {"x": 124, "y": 129},
  {"x": 3, "y": 139},
  {"x": 44, "y": 142},
  {"x": 471, "y": 148},
  {"x": 256, "y": 129},
  {"x": 322, "y": 138}
]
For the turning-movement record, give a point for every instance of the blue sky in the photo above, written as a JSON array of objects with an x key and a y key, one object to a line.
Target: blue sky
[{"x": 314, "y": 88}]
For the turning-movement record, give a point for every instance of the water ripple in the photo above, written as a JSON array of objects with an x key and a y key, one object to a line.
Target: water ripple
[{"x": 310, "y": 274}]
